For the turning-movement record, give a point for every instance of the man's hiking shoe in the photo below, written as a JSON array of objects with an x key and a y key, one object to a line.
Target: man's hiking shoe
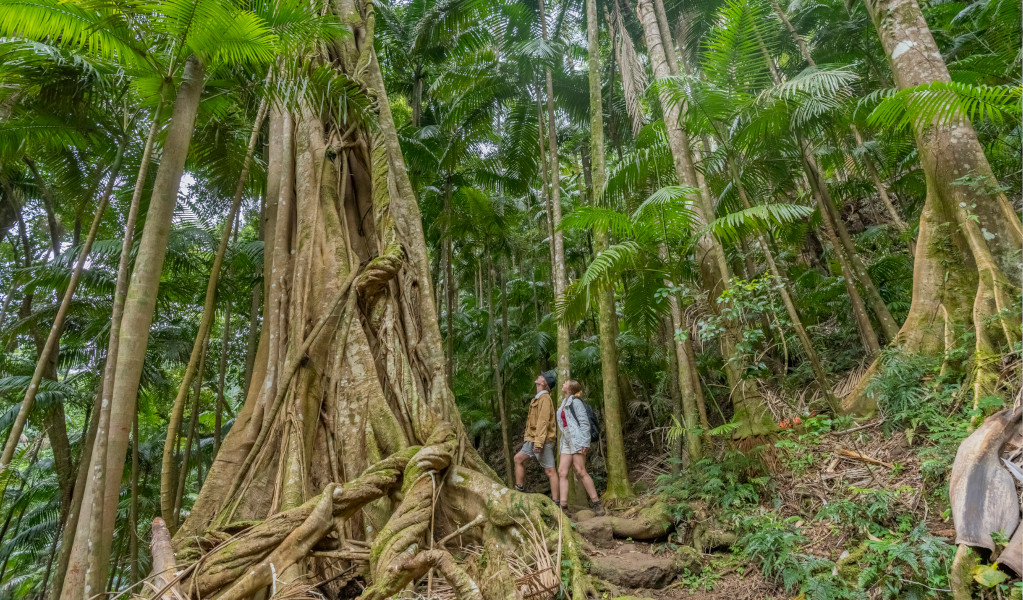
[{"x": 598, "y": 510}]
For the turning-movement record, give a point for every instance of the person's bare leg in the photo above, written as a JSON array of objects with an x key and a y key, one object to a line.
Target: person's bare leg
[
  {"x": 564, "y": 466},
  {"x": 520, "y": 468},
  {"x": 579, "y": 462},
  {"x": 552, "y": 476}
]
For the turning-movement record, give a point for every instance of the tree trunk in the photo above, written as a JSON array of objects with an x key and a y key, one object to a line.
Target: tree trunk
[
  {"x": 560, "y": 281},
  {"x": 99, "y": 508},
  {"x": 618, "y": 487},
  {"x": 786, "y": 298},
  {"x": 751, "y": 414},
  {"x": 349, "y": 385},
  {"x": 447, "y": 257},
  {"x": 871, "y": 169},
  {"x": 250, "y": 347},
  {"x": 47, "y": 356},
  {"x": 167, "y": 488},
  {"x": 970, "y": 234},
  {"x": 133, "y": 507},
  {"x": 221, "y": 380},
  {"x": 193, "y": 423},
  {"x": 495, "y": 365}
]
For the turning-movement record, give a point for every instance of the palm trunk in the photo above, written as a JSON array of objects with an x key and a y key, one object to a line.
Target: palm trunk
[
  {"x": 868, "y": 337},
  {"x": 96, "y": 527},
  {"x": 786, "y": 298},
  {"x": 133, "y": 507},
  {"x": 48, "y": 354},
  {"x": 70, "y": 524},
  {"x": 751, "y": 414},
  {"x": 70, "y": 530},
  {"x": 560, "y": 282},
  {"x": 618, "y": 486},
  {"x": 193, "y": 422},
  {"x": 221, "y": 377},
  {"x": 447, "y": 257},
  {"x": 859, "y": 271},
  {"x": 495, "y": 365},
  {"x": 48, "y": 207},
  {"x": 167, "y": 489}
]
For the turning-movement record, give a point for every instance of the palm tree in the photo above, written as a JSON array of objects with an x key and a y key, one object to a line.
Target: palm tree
[{"x": 618, "y": 487}]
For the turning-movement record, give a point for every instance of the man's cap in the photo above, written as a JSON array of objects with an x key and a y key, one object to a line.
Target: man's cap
[{"x": 551, "y": 377}]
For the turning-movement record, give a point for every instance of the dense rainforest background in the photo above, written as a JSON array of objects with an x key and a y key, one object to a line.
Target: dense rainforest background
[{"x": 280, "y": 275}]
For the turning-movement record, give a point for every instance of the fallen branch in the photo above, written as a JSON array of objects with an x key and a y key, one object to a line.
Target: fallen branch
[
  {"x": 859, "y": 428},
  {"x": 851, "y": 454}
]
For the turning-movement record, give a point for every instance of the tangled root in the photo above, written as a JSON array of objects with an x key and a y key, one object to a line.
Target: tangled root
[{"x": 504, "y": 524}]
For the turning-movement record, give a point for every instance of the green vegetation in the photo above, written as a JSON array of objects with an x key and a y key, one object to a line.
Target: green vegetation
[{"x": 250, "y": 249}]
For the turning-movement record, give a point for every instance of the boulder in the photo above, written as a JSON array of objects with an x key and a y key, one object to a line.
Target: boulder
[
  {"x": 598, "y": 531},
  {"x": 584, "y": 515},
  {"x": 687, "y": 558},
  {"x": 635, "y": 570}
]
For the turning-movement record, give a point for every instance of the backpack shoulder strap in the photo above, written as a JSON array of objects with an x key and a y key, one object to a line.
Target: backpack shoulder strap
[{"x": 571, "y": 409}]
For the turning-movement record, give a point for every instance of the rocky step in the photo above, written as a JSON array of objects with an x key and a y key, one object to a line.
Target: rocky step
[{"x": 632, "y": 568}]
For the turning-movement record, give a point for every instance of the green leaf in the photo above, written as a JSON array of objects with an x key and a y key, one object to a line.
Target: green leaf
[{"x": 988, "y": 575}]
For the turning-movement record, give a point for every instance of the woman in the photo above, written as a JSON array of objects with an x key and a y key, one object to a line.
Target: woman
[{"x": 575, "y": 442}]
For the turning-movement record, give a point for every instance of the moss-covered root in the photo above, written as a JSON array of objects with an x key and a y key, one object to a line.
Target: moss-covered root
[
  {"x": 401, "y": 574},
  {"x": 507, "y": 510},
  {"x": 394, "y": 552},
  {"x": 229, "y": 563},
  {"x": 572, "y": 552},
  {"x": 961, "y": 577},
  {"x": 295, "y": 547}
]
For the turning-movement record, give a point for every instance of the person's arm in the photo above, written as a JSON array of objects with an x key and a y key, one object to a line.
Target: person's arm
[{"x": 583, "y": 438}]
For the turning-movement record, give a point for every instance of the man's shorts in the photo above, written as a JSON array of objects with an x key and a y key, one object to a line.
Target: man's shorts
[{"x": 546, "y": 457}]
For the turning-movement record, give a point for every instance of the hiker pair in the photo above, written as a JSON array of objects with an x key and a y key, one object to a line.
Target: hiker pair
[{"x": 578, "y": 428}]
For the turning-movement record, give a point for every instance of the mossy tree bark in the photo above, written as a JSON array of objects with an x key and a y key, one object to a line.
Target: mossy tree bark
[
  {"x": 618, "y": 487},
  {"x": 970, "y": 236},
  {"x": 349, "y": 432}
]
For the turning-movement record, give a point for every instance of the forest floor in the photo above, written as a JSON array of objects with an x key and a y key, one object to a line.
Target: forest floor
[{"x": 830, "y": 499}]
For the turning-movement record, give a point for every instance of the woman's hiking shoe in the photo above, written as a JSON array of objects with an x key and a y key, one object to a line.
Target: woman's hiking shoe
[
  {"x": 598, "y": 510},
  {"x": 520, "y": 488}
]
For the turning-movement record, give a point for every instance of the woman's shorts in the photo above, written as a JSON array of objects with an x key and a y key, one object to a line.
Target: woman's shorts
[
  {"x": 546, "y": 456},
  {"x": 566, "y": 446}
]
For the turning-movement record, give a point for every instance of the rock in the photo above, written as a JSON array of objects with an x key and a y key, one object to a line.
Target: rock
[
  {"x": 597, "y": 530},
  {"x": 711, "y": 537},
  {"x": 687, "y": 558},
  {"x": 584, "y": 515},
  {"x": 635, "y": 570}
]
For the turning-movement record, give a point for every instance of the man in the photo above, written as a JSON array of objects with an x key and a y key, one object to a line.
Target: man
[{"x": 540, "y": 434}]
